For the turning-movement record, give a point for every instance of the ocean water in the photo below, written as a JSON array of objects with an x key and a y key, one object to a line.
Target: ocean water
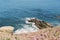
[{"x": 14, "y": 12}]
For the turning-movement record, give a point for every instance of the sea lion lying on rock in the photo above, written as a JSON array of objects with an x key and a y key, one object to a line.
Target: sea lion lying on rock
[
  {"x": 7, "y": 29},
  {"x": 40, "y": 24}
]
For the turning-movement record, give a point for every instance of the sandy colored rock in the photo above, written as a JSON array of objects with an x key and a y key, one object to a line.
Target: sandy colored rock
[
  {"x": 8, "y": 29},
  {"x": 43, "y": 34}
]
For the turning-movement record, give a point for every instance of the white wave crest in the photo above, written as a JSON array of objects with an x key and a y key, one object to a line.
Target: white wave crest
[
  {"x": 27, "y": 28},
  {"x": 26, "y": 20}
]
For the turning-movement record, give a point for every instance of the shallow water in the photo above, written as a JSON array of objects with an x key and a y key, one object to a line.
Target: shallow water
[{"x": 14, "y": 12}]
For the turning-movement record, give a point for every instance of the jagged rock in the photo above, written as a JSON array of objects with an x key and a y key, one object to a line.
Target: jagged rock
[
  {"x": 7, "y": 29},
  {"x": 40, "y": 24}
]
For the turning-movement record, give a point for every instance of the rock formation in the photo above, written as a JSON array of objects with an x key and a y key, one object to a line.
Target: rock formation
[
  {"x": 40, "y": 24},
  {"x": 43, "y": 34},
  {"x": 6, "y": 33},
  {"x": 46, "y": 32},
  {"x": 8, "y": 29}
]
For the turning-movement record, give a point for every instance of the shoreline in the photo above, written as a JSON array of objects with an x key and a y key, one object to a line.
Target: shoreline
[
  {"x": 32, "y": 35},
  {"x": 45, "y": 32}
]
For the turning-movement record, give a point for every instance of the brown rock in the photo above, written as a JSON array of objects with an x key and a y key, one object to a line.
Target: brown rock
[{"x": 40, "y": 24}]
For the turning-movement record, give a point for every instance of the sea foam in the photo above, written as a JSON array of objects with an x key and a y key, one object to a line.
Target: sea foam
[{"x": 28, "y": 27}]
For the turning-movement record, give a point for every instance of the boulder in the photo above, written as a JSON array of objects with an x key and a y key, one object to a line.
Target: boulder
[
  {"x": 40, "y": 24},
  {"x": 7, "y": 29}
]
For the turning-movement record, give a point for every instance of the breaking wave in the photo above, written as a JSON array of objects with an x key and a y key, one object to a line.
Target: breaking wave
[{"x": 28, "y": 27}]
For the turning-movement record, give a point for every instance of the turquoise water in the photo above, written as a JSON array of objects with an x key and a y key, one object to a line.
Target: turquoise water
[{"x": 14, "y": 12}]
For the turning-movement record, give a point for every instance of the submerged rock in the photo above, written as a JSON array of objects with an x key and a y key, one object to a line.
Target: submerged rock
[
  {"x": 58, "y": 17},
  {"x": 40, "y": 24}
]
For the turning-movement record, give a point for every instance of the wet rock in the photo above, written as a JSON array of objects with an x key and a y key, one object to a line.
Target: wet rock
[{"x": 40, "y": 24}]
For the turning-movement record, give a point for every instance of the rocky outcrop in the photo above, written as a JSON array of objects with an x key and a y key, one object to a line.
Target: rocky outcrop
[
  {"x": 8, "y": 29},
  {"x": 40, "y": 24},
  {"x": 43, "y": 34},
  {"x": 6, "y": 33}
]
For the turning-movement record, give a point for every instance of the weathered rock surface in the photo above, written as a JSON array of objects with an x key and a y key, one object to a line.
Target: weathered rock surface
[
  {"x": 43, "y": 34},
  {"x": 40, "y": 24},
  {"x": 8, "y": 29},
  {"x": 6, "y": 33}
]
